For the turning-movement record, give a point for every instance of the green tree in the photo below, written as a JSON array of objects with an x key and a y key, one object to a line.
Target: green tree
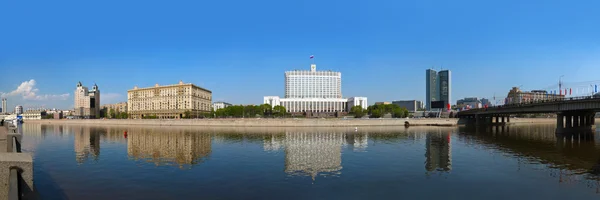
[
  {"x": 123, "y": 115},
  {"x": 376, "y": 113},
  {"x": 357, "y": 111},
  {"x": 111, "y": 113},
  {"x": 279, "y": 111},
  {"x": 187, "y": 114}
]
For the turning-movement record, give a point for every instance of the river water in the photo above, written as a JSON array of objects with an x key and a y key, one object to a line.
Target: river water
[{"x": 517, "y": 162}]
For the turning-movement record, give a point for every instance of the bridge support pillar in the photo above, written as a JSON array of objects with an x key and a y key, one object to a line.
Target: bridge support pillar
[
  {"x": 560, "y": 120},
  {"x": 593, "y": 119},
  {"x": 569, "y": 121},
  {"x": 503, "y": 118}
]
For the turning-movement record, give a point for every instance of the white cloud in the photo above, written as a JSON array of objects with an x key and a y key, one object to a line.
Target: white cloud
[{"x": 28, "y": 91}]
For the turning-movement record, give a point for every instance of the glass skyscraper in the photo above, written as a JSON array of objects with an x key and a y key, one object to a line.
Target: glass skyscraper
[{"x": 438, "y": 87}]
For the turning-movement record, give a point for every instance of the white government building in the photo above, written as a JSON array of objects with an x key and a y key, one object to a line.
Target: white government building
[{"x": 314, "y": 91}]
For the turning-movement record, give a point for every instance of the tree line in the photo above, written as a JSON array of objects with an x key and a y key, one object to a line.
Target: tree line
[
  {"x": 377, "y": 111},
  {"x": 238, "y": 111}
]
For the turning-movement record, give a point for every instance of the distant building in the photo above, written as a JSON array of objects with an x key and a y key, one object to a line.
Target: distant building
[
  {"x": 18, "y": 110},
  {"x": 169, "y": 101},
  {"x": 116, "y": 107},
  {"x": 314, "y": 93},
  {"x": 470, "y": 102},
  {"x": 4, "y": 108},
  {"x": 219, "y": 105},
  {"x": 383, "y": 103},
  {"x": 34, "y": 115},
  {"x": 438, "y": 87},
  {"x": 516, "y": 96},
  {"x": 410, "y": 105},
  {"x": 485, "y": 101},
  {"x": 58, "y": 115},
  {"x": 87, "y": 102},
  {"x": 358, "y": 101}
]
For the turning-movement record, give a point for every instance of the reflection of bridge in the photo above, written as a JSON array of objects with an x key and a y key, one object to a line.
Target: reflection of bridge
[
  {"x": 577, "y": 152},
  {"x": 573, "y": 114}
]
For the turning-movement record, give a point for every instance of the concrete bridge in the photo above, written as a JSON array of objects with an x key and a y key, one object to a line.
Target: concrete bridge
[{"x": 573, "y": 114}]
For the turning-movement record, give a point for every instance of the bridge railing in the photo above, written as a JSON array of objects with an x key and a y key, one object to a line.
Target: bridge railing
[
  {"x": 538, "y": 102},
  {"x": 15, "y": 165}
]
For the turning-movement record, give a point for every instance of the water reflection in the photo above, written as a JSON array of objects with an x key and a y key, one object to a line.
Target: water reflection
[
  {"x": 438, "y": 152},
  {"x": 168, "y": 146},
  {"x": 87, "y": 142},
  {"x": 571, "y": 158}
]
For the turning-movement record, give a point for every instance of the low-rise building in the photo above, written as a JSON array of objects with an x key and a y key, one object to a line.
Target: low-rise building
[
  {"x": 34, "y": 115},
  {"x": 516, "y": 96},
  {"x": 58, "y": 115},
  {"x": 219, "y": 105},
  {"x": 357, "y": 101},
  {"x": 469, "y": 102},
  {"x": 116, "y": 108},
  {"x": 383, "y": 103},
  {"x": 410, "y": 105}
]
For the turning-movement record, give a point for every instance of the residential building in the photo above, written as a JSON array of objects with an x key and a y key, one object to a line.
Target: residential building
[
  {"x": 516, "y": 96},
  {"x": 410, "y": 105},
  {"x": 116, "y": 107},
  {"x": 58, "y": 115},
  {"x": 469, "y": 102},
  {"x": 4, "y": 108},
  {"x": 168, "y": 101},
  {"x": 219, "y": 105},
  {"x": 438, "y": 87},
  {"x": 34, "y": 115},
  {"x": 313, "y": 93},
  {"x": 18, "y": 109},
  {"x": 383, "y": 103},
  {"x": 87, "y": 102},
  {"x": 485, "y": 101}
]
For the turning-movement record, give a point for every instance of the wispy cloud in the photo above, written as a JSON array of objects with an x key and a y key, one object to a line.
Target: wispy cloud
[{"x": 28, "y": 91}]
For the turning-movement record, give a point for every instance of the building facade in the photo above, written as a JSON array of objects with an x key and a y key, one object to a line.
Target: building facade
[
  {"x": 516, "y": 96},
  {"x": 357, "y": 101},
  {"x": 116, "y": 107},
  {"x": 169, "y": 101},
  {"x": 34, "y": 115},
  {"x": 383, "y": 103},
  {"x": 438, "y": 87},
  {"x": 219, "y": 105},
  {"x": 469, "y": 102},
  {"x": 87, "y": 102},
  {"x": 313, "y": 92},
  {"x": 410, "y": 105},
  {"x": 18, "y": 109}
]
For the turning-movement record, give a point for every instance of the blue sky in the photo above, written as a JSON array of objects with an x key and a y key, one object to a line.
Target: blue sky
[{"x": 240, "y": 49}]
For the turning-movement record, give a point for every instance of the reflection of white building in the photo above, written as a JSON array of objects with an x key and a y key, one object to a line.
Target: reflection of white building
[
  {"x": 358, "y": 141},
  {"x": 438, "y": 155},
  {"x": 313, "y": 91},
  {"x": 313, "y": 153}
]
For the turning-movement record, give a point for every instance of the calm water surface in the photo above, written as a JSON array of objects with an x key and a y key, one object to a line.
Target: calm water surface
[{"x": 521, "y": 162}]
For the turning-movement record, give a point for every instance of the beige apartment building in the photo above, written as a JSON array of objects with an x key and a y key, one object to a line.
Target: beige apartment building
[
  {"x": 117, "y": 107},
  {"x": 87, "y": 102},
  {"x": 168, "y": 101}
]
